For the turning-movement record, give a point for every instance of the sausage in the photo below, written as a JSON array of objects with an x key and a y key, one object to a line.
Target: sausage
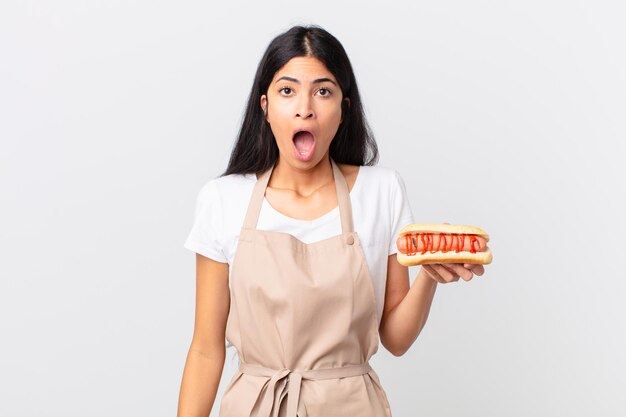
[{"x": 411, "y": 243}]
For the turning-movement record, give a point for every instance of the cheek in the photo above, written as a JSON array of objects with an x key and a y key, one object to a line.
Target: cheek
[
  {"x": 280, "y": 126},
  {"x": 277, "y": 117},
  {"x": 337, "y": 111},
  {"x": 333, "y": 118}
]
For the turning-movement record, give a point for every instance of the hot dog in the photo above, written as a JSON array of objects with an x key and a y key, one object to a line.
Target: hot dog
[{"x": 421, "y": 243}]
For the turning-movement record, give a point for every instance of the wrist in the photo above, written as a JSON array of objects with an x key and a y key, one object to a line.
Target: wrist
[{"x": 425, "y": 276}]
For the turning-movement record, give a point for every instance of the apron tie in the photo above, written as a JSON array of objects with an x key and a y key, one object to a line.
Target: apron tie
[{"x": 295, "y": 382}]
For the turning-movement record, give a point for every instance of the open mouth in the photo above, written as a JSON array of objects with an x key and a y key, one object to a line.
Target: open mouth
[{"x": 304, "y": 145}]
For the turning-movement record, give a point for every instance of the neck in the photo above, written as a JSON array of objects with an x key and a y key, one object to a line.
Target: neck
[{"x": 303, "y": 181}]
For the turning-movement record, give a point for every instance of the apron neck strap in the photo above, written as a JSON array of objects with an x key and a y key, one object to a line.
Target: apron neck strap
[{"x": 343, "y": 198}]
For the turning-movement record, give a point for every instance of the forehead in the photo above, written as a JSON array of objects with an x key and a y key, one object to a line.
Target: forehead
[{"x": 304, "y": 68}]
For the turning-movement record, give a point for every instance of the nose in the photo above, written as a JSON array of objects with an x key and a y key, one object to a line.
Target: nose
[{"x": 304, "y": 108}]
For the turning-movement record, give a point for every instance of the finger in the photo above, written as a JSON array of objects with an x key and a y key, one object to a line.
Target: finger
[
  {"x": 476, "y": 268},
  {"x": 452, "y": 271},
  {"x": 433, "y": 274},
  {"x": 445, "y": 273},
  {"x": 460, "y": 269}
]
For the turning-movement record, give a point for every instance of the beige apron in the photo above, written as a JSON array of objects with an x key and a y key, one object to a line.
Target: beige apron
[{"x": 302, "y": 318}]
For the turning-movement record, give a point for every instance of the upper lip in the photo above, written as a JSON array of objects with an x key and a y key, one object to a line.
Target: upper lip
[{"x": 302, "y": 130}]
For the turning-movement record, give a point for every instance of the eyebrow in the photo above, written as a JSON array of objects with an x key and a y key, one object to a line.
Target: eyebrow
[{"x": 316, "y": 81}]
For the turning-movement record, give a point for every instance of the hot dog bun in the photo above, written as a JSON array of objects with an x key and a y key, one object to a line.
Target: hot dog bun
[
  {"x": 455, "y": 237},
  {"x": 443, "y": 228}
]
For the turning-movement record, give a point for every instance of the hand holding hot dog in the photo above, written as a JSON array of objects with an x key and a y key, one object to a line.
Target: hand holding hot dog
[
  {"x": 450, "y": 272},
  {"x": 446, "y": 252}
]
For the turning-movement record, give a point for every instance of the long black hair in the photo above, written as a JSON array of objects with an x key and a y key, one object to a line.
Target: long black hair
[{"x": 255, "y": 150}]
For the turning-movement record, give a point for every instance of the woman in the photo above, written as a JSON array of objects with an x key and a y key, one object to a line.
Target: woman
[{"x": 281, "y": 271}]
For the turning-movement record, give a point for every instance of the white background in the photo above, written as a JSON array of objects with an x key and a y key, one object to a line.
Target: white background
[{"x": 507, "y": 115}]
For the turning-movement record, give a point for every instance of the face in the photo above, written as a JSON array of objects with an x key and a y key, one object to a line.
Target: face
[{"x": 303, "y": 96}]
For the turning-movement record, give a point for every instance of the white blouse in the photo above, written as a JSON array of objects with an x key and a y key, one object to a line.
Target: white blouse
[{"x": 380, "y": 208}]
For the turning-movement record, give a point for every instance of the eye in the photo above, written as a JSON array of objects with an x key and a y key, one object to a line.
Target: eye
[
  {"x": 285, "y": 91},
  {"x": 324, "y": 92}
]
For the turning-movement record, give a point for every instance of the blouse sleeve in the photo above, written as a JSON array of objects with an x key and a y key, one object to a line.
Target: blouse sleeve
[
  {"x": 401, "y": 210},
  {"x": 205, "y": 236}
]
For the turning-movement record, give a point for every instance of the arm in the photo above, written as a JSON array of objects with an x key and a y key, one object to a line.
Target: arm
[
  {"x": 205, "y": 359},
  {"x": 406, "y": 310}
]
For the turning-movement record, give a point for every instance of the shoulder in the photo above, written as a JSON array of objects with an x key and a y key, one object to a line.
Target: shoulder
[
  {"x": 379, "y": 170},
  {"x": 226, "y": 188},
  {"x": 380, "y": 177},
  {"x": 233, "y": 180}
]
